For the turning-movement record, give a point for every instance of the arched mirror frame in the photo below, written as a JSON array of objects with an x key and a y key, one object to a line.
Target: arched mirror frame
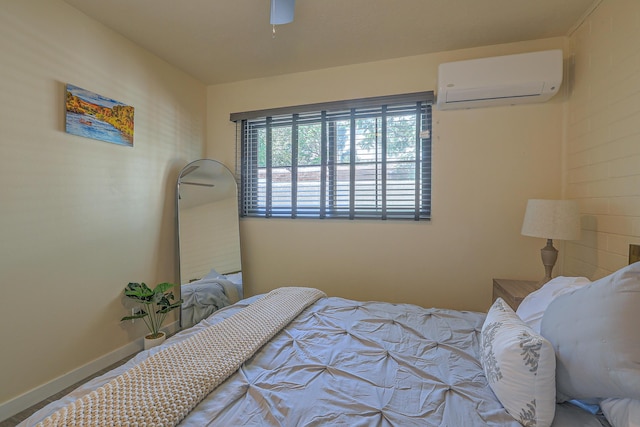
[{"x": 208, "y": 238}]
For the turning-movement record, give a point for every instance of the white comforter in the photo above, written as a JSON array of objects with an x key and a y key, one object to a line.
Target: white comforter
[{"x": 349, "y": 363}]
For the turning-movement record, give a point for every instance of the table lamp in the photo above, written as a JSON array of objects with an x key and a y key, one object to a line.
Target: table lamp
[{"x": 551, "y": 219}]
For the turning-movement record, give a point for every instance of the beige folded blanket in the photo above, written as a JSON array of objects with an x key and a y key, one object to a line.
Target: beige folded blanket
[{"x": 162, "y": 389}]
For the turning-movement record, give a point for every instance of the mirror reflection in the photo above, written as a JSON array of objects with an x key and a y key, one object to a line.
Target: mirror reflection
[{"x": 208, "y": 240}]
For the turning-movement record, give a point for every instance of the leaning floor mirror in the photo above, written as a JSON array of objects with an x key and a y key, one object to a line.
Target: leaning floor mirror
[{"x": 208, "y": 240}]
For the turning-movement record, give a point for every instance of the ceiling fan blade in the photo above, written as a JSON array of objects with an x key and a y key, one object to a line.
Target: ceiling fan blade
[{"x": 282, "y": 11}]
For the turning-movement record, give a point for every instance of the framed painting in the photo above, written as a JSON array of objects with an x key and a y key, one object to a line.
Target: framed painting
[{"x": 94, "y": 116}]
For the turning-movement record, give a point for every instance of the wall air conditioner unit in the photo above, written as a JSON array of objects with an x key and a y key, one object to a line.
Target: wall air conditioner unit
[{"x": 503, "y": 80}]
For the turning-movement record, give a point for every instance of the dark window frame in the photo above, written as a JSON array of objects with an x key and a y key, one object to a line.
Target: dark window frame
[{"x": 257, "y": 127}]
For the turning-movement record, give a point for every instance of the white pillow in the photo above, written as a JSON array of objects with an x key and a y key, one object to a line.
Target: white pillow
[
  {"x": 519, "y": 365},
  {"x": 594, "y": 331},
  {"x": 621, "y": 412},
  {"x": 532, "y": 308}
]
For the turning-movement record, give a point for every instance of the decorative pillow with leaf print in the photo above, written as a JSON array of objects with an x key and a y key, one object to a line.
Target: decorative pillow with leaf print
[{"x": 520, "y": 366}]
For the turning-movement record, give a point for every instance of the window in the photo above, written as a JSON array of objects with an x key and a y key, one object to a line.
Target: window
[{"x": 361, "y": 159}]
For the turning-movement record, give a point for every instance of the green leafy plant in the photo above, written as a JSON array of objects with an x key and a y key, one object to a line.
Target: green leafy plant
[{"x": 154, "y": 305}]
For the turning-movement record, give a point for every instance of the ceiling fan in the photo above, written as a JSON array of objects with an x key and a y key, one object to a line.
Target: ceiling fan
[{"x": 282, "y": 11}]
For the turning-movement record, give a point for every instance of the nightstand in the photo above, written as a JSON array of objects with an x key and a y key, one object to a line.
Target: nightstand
[{"x": 513, "y": 291}]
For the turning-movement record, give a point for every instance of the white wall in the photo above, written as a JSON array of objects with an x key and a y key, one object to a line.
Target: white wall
[
  {"x": 603, "y": 138},
  {"x": 486, "y": 164},
  {"x": 81, "y": 218}
]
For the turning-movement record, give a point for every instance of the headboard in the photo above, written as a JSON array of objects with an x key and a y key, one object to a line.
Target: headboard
[{"x": 634, "y": 253}]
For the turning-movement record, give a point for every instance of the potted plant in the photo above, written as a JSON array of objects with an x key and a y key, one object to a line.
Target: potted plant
[{"x": 154, "y": 305}]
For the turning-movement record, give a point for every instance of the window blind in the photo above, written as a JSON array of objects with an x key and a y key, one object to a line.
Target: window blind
[{"x": 360, "y": 159}]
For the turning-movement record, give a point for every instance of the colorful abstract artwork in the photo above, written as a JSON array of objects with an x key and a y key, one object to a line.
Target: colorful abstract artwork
[{"x": 94, "y": 116}]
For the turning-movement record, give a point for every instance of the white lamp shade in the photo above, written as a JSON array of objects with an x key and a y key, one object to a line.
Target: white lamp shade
[{"x": 552, "y": 219}]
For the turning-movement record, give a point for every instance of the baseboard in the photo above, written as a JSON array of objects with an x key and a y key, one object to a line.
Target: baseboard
[{"x": 18, "y": 404}]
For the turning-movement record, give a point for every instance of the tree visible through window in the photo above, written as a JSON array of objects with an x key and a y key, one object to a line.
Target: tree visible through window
[{"x": 364, "y": 162}]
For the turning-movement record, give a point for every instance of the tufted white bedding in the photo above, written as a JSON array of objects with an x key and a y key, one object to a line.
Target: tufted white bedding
[
  {"x": 344, "y": 362},
  {"x": 166, "y": 386}
]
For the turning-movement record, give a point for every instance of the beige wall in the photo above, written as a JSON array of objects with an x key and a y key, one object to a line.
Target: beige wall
[
  {"x": 603, "y": 138},
  {"x": 486, "y": 164},
  {"x": 81, "y": 218}
]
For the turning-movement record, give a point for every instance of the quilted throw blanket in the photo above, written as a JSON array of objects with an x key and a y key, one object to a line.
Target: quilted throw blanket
[{"x": 162, "y": 389}]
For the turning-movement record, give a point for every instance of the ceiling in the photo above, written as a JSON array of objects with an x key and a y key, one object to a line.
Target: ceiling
[{"x": 221, "y": 41}]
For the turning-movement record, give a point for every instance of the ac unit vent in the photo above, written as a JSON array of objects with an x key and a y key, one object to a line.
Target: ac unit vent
[{"x": 503, "y": 80}]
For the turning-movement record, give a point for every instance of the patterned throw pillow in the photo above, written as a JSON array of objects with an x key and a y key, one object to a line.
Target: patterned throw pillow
[{"x": 519, "y": 365}]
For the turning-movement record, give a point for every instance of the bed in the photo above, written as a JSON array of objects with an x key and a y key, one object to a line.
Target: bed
[
  {"x": 354, "y": 363},
  {"x": 203, "y": 297}
]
